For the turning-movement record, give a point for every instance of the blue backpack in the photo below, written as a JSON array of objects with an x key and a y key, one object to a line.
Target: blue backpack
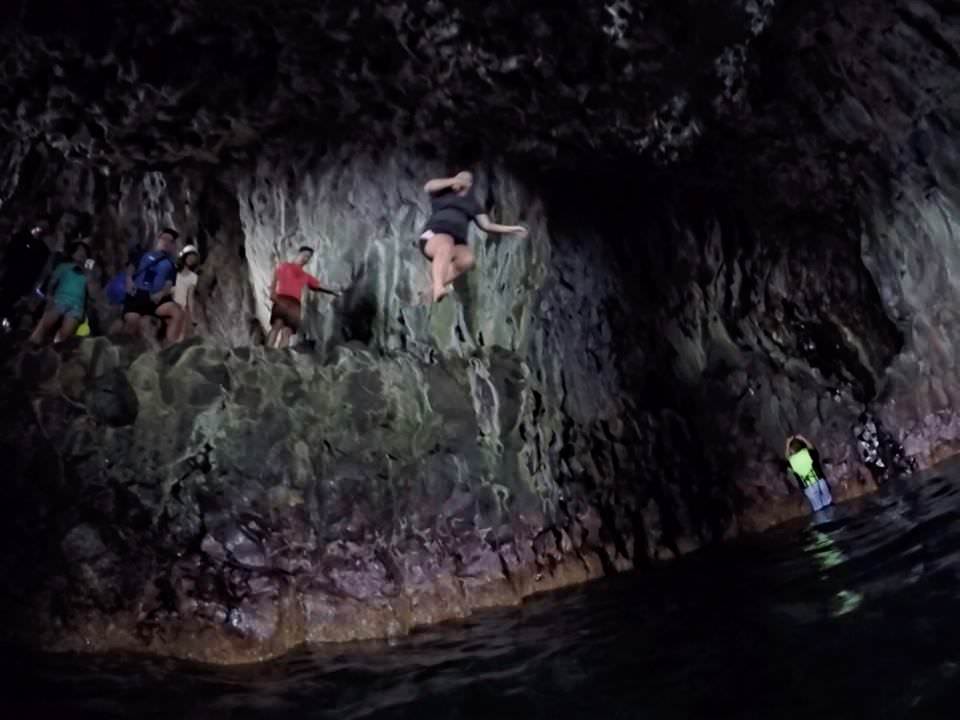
[{"x": 117, "y": 288}]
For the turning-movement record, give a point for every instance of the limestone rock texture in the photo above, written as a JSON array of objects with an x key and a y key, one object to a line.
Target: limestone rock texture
[{"x": 743, "y": 221}]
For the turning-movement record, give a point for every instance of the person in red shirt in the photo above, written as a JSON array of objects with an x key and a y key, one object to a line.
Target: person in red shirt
[{"x": 289, "y": 280}]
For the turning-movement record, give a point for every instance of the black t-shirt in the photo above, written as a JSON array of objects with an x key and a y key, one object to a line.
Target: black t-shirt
[{"x": 452, "y": 213}]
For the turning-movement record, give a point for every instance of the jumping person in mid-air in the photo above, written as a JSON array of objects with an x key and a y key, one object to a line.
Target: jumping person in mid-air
[
  {"x": 289, "y": 280},
  {"x": 444, "y": 239}
]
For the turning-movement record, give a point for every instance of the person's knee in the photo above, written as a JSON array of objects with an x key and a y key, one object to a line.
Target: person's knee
[{"x": 170, "y": 311}]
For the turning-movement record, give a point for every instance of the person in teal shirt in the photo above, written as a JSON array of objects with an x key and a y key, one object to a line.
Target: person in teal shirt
[
  {"x": 799, "y": 454},
  {"x": 67, "y": 309}
]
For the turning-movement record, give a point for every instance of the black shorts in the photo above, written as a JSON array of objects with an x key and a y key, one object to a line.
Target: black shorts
[
  {"x": 429, "y": 232},
  {"x": 140, "y": 303},
  {"x": 287, "y": 310}
]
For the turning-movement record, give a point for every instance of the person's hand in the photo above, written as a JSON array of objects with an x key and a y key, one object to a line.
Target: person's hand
[
  {"x": 461, "y": 180},
  {"x": 157, "y": 297},
  {"x": 521, "y": 232}
]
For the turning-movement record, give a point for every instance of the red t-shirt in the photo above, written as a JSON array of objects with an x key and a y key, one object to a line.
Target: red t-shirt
[{"x": 292, "y": 278}]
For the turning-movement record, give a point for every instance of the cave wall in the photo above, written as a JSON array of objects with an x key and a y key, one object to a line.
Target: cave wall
[
  {"x": 868, "y": 135},
  {"x": 668, "y": 380},
  {"x": 743, "y": 224}
]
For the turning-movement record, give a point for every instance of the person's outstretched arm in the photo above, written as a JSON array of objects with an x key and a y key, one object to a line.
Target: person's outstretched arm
[
  {"x": 487, "y": 225},
  {"x": 314, "y": 284}
]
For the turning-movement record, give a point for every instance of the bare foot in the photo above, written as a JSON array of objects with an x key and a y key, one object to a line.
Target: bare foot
[{"x": 441, "y": 292}]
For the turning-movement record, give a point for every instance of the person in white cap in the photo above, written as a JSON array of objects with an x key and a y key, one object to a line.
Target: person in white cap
[{"x": 186, "y": 286}]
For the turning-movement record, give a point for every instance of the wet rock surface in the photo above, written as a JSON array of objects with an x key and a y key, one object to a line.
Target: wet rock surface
[
  {"x": 742, "y": 225},
  {"x": 250, "y": 500}
]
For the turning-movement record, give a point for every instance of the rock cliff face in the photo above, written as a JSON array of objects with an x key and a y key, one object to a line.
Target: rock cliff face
[{"x": 743, "y": 220}]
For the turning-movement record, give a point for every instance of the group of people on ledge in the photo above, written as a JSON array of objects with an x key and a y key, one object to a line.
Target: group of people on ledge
[{"x": 161, "y": 284}]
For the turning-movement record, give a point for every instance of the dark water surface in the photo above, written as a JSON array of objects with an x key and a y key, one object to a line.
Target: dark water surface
[{"x": 854, "y": 616}]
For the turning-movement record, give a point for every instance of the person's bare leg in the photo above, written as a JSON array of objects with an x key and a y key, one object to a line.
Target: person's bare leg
[
  {"x": 274, "y": 334},
  {"x": 185, "y": 325},
  {"x": 45, "y": 326},
  {"x": 172, "y": 313},
  {"x": 286, "y": 335},
  {"x": 463, "y": 260},
  {"x": 68, "y": 328},
  {"x": 439, "y": 249}
]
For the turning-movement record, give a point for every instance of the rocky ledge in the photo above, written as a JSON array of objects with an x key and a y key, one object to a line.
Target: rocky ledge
[{"x": 229, "y": 504}]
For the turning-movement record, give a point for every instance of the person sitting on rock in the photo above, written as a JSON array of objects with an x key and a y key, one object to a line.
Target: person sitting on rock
[
  {"x": 799, "y": 453},
  {"x": 185, "y": 288},
  {"x": 444, "y": 239},
  {"x": 67, "y": 309},
  {"x": 286, "y": 292},
  {"x": 151, "y": 289}
]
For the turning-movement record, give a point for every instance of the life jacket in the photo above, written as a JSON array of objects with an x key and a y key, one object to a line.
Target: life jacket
[{"x": 802, "y": 464}]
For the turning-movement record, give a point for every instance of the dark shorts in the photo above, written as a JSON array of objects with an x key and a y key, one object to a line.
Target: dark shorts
[
  {"x": 287, "y": 310},
  {"x": 430, "y": 232},
  {"x": 140, "y": 303}
]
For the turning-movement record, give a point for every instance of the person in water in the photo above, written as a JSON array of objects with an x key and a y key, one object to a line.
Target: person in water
[
  {"x": 799, "y": 453},
  {"x": 67, "y": 309},
  {"x": 286, "y": 292},
  {"x": 444, "y": 239},
  {"x": 150, "y": 291}
]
